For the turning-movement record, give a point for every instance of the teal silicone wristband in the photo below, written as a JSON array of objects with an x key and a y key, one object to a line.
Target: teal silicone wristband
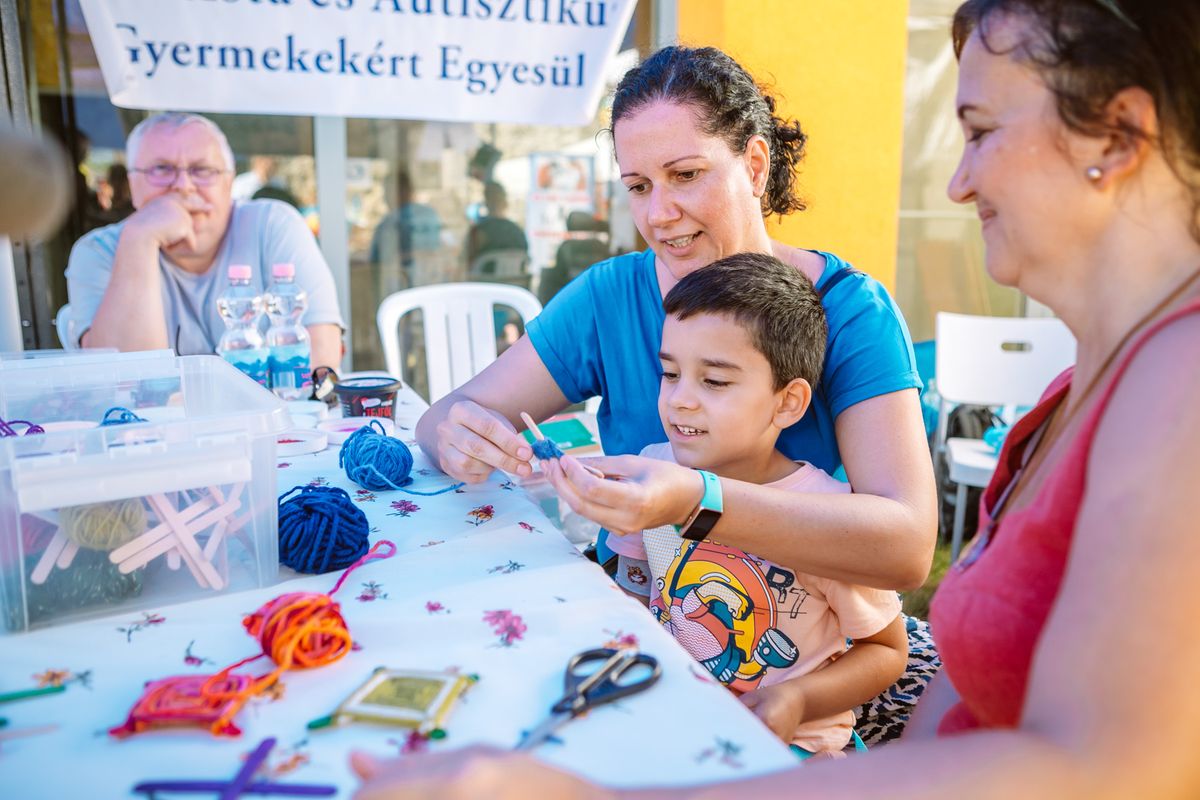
[{"x": 712, "y": 499}]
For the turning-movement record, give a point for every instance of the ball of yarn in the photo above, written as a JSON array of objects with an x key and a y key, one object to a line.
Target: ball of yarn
[
  {"x": 300, "y": 630},
  {"x": 103, "y": 526},
  {"x": 546, "y": 449},
  {"x": 320, "y": 529},
  {"x": 376, "y": 461},
  {"x": 91, "y": 582}
]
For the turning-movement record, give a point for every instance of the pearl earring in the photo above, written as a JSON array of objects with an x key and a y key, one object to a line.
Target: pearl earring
[{"x": 1094, "y": 174}]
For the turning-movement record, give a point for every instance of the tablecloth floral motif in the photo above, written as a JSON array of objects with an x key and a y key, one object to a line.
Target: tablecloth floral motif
[{"x": 481, "y": 582}]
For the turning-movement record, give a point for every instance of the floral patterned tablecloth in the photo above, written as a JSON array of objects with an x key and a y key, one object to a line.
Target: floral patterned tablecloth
[{"x": 482, "y": 583}]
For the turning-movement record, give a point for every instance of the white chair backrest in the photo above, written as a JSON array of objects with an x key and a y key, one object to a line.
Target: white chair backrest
[
  {"x": 459, "y": 324},
  {"x": 64, "y": 324},
  {"x": 994, "y": 361}
]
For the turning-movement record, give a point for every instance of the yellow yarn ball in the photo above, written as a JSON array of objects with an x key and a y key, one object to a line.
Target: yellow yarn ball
[{"x": 103, "y": 526}]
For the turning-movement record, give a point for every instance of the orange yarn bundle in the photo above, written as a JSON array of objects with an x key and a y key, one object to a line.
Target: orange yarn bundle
[{"x": 300, "y": 630}]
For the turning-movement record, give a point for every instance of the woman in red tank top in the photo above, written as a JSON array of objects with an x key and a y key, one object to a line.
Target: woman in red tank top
[{"x": 1068, "y": 630}]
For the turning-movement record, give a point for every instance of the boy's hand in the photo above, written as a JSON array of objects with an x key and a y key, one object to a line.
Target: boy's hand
[
  {"x": 780, "y": 707},
  {"x": 638, "y": 493}
]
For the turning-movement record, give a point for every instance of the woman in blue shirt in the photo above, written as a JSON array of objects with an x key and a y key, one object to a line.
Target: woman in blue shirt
[{"x": 705, "y": 160}]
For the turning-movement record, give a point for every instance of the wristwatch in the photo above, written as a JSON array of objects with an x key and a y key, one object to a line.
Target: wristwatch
[{"x": 702, "y": 519}]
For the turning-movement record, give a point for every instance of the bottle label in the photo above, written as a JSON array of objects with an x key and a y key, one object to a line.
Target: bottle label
[
  {"x": 252, "y": 361},
  {"x": 289, "y": 370}
]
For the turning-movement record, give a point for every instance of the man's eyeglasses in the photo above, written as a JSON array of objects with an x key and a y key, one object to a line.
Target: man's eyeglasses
[{"x": 167, "y": 174}]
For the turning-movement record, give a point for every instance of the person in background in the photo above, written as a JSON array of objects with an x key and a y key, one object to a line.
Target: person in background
[
  {"x": 705, "y": 159},
  {"x": 494, "y": 231},
  {"x": 1070, "y": 666},
  {"x": 152, "y": 280},
  {"x": 120, "y": 200},
  {"x": 406, "y": 241},
  {"x": 261, "y": 174}
]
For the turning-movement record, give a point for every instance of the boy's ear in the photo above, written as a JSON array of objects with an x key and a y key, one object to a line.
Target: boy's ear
[{"x": 793, "y": 402}]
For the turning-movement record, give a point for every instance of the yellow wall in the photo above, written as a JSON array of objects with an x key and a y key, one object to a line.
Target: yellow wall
[{"x": 838, "y": 67}]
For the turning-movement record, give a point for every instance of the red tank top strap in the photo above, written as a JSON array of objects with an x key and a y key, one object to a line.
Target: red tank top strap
[{"x": 1088, "y": 429}]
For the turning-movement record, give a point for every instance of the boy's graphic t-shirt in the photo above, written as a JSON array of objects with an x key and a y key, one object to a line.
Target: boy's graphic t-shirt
[{"x": 749, "y": 621}]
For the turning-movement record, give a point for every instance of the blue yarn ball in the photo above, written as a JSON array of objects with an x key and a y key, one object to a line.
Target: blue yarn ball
[
  {"x": 376, "y": 461},
  {"x": 320, "y": 529},
  {"x": 546, "y": 449}
]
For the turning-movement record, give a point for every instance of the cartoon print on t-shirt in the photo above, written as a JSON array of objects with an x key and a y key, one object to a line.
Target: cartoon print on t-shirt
[{"x": 717, "y": 602}]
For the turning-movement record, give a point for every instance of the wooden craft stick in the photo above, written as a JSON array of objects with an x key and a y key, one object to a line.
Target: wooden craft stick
[
  {"x": 20, "y": 733},
  {"x": 67, "y": 555},
  {"x": 159, "y": 531},
  {"x": 49, "y": 556},
  {"x": 201, "y": 569},
  {"x": 37, "y": 691},
  {"x": 537, "y": 434}
]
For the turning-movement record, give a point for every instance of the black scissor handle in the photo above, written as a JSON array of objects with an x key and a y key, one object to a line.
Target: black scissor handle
[{"x": 588, "y": 689}]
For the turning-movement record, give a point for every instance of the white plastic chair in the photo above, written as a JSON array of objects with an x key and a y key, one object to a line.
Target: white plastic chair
[
  {"x": 64, "y": 325},
  {"x": 460, "y": 332},
  {"x": 991, "y": 361}
]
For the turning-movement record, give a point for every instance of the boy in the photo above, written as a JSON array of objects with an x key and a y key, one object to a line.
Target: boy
[{"x": 742, "y": 348}]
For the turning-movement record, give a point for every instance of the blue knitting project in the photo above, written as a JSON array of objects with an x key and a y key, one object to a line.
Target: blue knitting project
[
  {"x": 546, "y": 449},
  {"x": 123, "y": 417},
  {"x": 320, "y": 530},
  {"x": 378, "y": 462}
]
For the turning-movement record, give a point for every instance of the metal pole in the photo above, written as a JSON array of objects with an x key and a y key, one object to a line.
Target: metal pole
[
  {"x": 329, "y": 151},
  {"x": 10, "y": 312},
  {"x": 664, "y": 28}
]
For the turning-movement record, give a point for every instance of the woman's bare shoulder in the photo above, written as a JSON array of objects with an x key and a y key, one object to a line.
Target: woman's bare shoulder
[{"x": 810, "y": 263}]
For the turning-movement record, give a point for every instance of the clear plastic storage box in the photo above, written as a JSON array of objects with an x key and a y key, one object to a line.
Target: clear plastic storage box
[{"x": 96, "y": 520}]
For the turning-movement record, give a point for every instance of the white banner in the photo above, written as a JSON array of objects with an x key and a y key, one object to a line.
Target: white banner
[{"x": 524, "y": 61}]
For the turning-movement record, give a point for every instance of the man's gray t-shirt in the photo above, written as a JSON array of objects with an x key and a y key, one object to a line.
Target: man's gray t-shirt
[{"x": 261, "y": 233}]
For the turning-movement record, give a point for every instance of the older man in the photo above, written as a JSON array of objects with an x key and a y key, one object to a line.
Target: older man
[{"x": 152, "y": 280}]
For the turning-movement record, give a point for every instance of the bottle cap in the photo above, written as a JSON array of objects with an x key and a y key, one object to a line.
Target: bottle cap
[
  {"x": 283, "y": 270},
  {"x": 240, "y": 272}
]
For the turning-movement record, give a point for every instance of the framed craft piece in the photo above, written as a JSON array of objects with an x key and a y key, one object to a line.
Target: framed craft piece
[{"x": 409, "y": 698}]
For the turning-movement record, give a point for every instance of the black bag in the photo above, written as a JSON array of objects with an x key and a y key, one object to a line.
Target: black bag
[{"x": 964, "y": 422}]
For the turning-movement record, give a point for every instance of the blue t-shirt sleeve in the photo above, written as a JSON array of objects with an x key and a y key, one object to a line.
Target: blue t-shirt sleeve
[
  {"x": 89, "y": 269},
  {"x": 566, "y": 337},
  {"x": 869, "y": 351}
]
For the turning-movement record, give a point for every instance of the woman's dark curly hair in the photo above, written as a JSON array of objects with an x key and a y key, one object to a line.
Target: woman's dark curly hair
[
  {"x": 728, "y": 104},
  {"x": 1086, "y": 51}
]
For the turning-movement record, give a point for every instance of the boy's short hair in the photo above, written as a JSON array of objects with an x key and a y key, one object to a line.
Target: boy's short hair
[{"x": 775, "y": 303}]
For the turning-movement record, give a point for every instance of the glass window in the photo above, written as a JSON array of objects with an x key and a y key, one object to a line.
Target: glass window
[
  {"x": 940, "y": 260},
  {"x": 436, "y": 202},
  {"x": 273, "y": 154},
  {"x": 426, "y": 202}
]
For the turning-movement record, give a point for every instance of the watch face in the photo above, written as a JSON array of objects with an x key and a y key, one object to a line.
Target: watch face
[{"x": 702, "y": 525}]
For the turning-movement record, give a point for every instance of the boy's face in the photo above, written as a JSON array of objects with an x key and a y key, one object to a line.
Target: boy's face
[{"x": 717, "y": 399}]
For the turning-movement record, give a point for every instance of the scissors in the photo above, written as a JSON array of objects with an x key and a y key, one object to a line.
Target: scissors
[{"x": 593, "y": 678}]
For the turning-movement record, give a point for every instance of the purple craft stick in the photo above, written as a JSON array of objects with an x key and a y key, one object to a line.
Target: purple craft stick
[
  {"x": 259, "y": 787},
  {"x": 248, "y": 770},
  {"x": 242, "y": 783}
]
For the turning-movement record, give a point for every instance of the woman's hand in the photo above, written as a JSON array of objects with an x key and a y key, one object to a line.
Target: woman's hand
[
  {"x": 637, "y": 493},
  {"x": 474, "y": 772},
  {"x": 780, "y": 707},
  {"x": 473, "y": 440}
]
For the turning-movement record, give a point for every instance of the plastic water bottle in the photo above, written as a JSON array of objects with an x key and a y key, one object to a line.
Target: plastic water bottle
[
  {"x": 287, "y": 338},
  {"x": 240, "y": 306}
]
